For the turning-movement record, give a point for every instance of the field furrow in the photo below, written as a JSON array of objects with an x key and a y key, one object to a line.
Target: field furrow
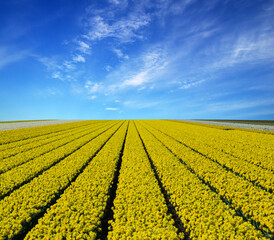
[
  {"x": 254, "y": 203},
  {"x": 203, "y": 213},
  {"x": 260, "y": 177},
  {"x": 24, "y": 206},
  {"x": 140, "y": 209},
  {"x": 136, "y": 179},
  {"x": 42, "y": 141},
  {"x": 24, "y": 157},
  {"x": 251, "y": 147},
  {"x": 80, "y": 209},
  {"x": 10, "y": 137},
  {"x": 20, "y": 175}
]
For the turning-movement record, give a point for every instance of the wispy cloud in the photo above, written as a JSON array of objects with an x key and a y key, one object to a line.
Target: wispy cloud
[
  {"x": 250, "y": 43},
  {"x": 114, "y": 1},
  {"x": 57, "y": 75},
  {"x": 83, "y": 47},
  {"x": 123, "y": 30},
  {"x": 108, "y": 68},
  {"x": 119, "y": 2},
  {"x": 98, "y": 24},
  {"x": 149, "y": 64},
  {"x": 92, "y": 97},
  {"x": 189, "y": 84},
  {"x": 193, "y": 47},
  {"x": 51, "y": 63},
  {"x": 120, "y": 54},
  {"x": 61, "y": 68},
  {"x": 68, "y": 65},
  {"x": 206, "y": 47},
  {"x": 9, "y": 55},
  {"x": 92, "y": 88},
  {"x": 249, "y": 47},
  {"x": 108, "y": 23},
  {"x": 111, "y": 109},
  {"x": 209, "y": 48},
  {"x": 137, "y": 79},
  {"x": 165, "y": 7},
  {"x": 79, "y": 58}
]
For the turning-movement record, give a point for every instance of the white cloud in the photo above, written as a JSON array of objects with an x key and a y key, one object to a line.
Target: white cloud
[
  {"x": 244, "y": 46},
  {"x": 79, "y": 58},
  {"x": 88, "y": 83},
  {"x": 57, "y": 75},
  {"x": 120, "y": 54},
  {"x": 69, "y": 78},
  {"x": 92, "y": 87},
  {"x": 108, "y": 23},
  {"x": 50, "y": 63},
  {"x": 247, "y": 48},
  {"x": 65, "y": 67},
  {"x": 118, "y": 4},
  {"x": 180, "y": 6},
  {"x": 61, "y": 68},
  {"x": 240, "y": 51},
  {"x": 165, "y": 7},
  {"x": 151, "y": 65},
  {"x": 69, "y": 65},
  {"x": 63, "y": 72},
  {"x": 124, "y": 30},
  {"x": 141, "y": 88},
  {"x": 136, "y": 80},
  {"x": 100, "y": 24},
  {"x": 8, "y": 55},
  {"x": 92, "y": 97},
  {"x": 189, "y": 84},
  {"x": 250, "y": 44},
  {"x": 114, "y": 1},
  {"x": 108, "y": 68},
  {"x": 111, "y": 109},
  {"x": 83, "y": 47},
  {"x": 99, "y": 29}
]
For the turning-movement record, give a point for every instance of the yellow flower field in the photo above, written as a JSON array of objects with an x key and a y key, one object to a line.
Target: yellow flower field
[{"x": 136, "y": 179}]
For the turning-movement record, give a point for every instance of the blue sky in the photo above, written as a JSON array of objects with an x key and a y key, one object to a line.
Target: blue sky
[{"x": 122, "y": 59}]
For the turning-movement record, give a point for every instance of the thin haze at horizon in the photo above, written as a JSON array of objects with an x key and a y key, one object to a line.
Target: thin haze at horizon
[{"x": 122, "y": 59}]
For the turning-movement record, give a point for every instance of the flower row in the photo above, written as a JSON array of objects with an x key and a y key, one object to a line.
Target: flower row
[
  {"x": 255, "y": 203},
  {"x": 21, "y": 207},
  {"x": 213, "y": 149},
  {"x": 35, "y": 152},
  {"x": 203, "y": 213},
  {"x": 10, "y": 137},
  {"x": 18, "y": 147},
  {"x": 78, "y": 212},
  {"x": 140, "y": 210}
]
